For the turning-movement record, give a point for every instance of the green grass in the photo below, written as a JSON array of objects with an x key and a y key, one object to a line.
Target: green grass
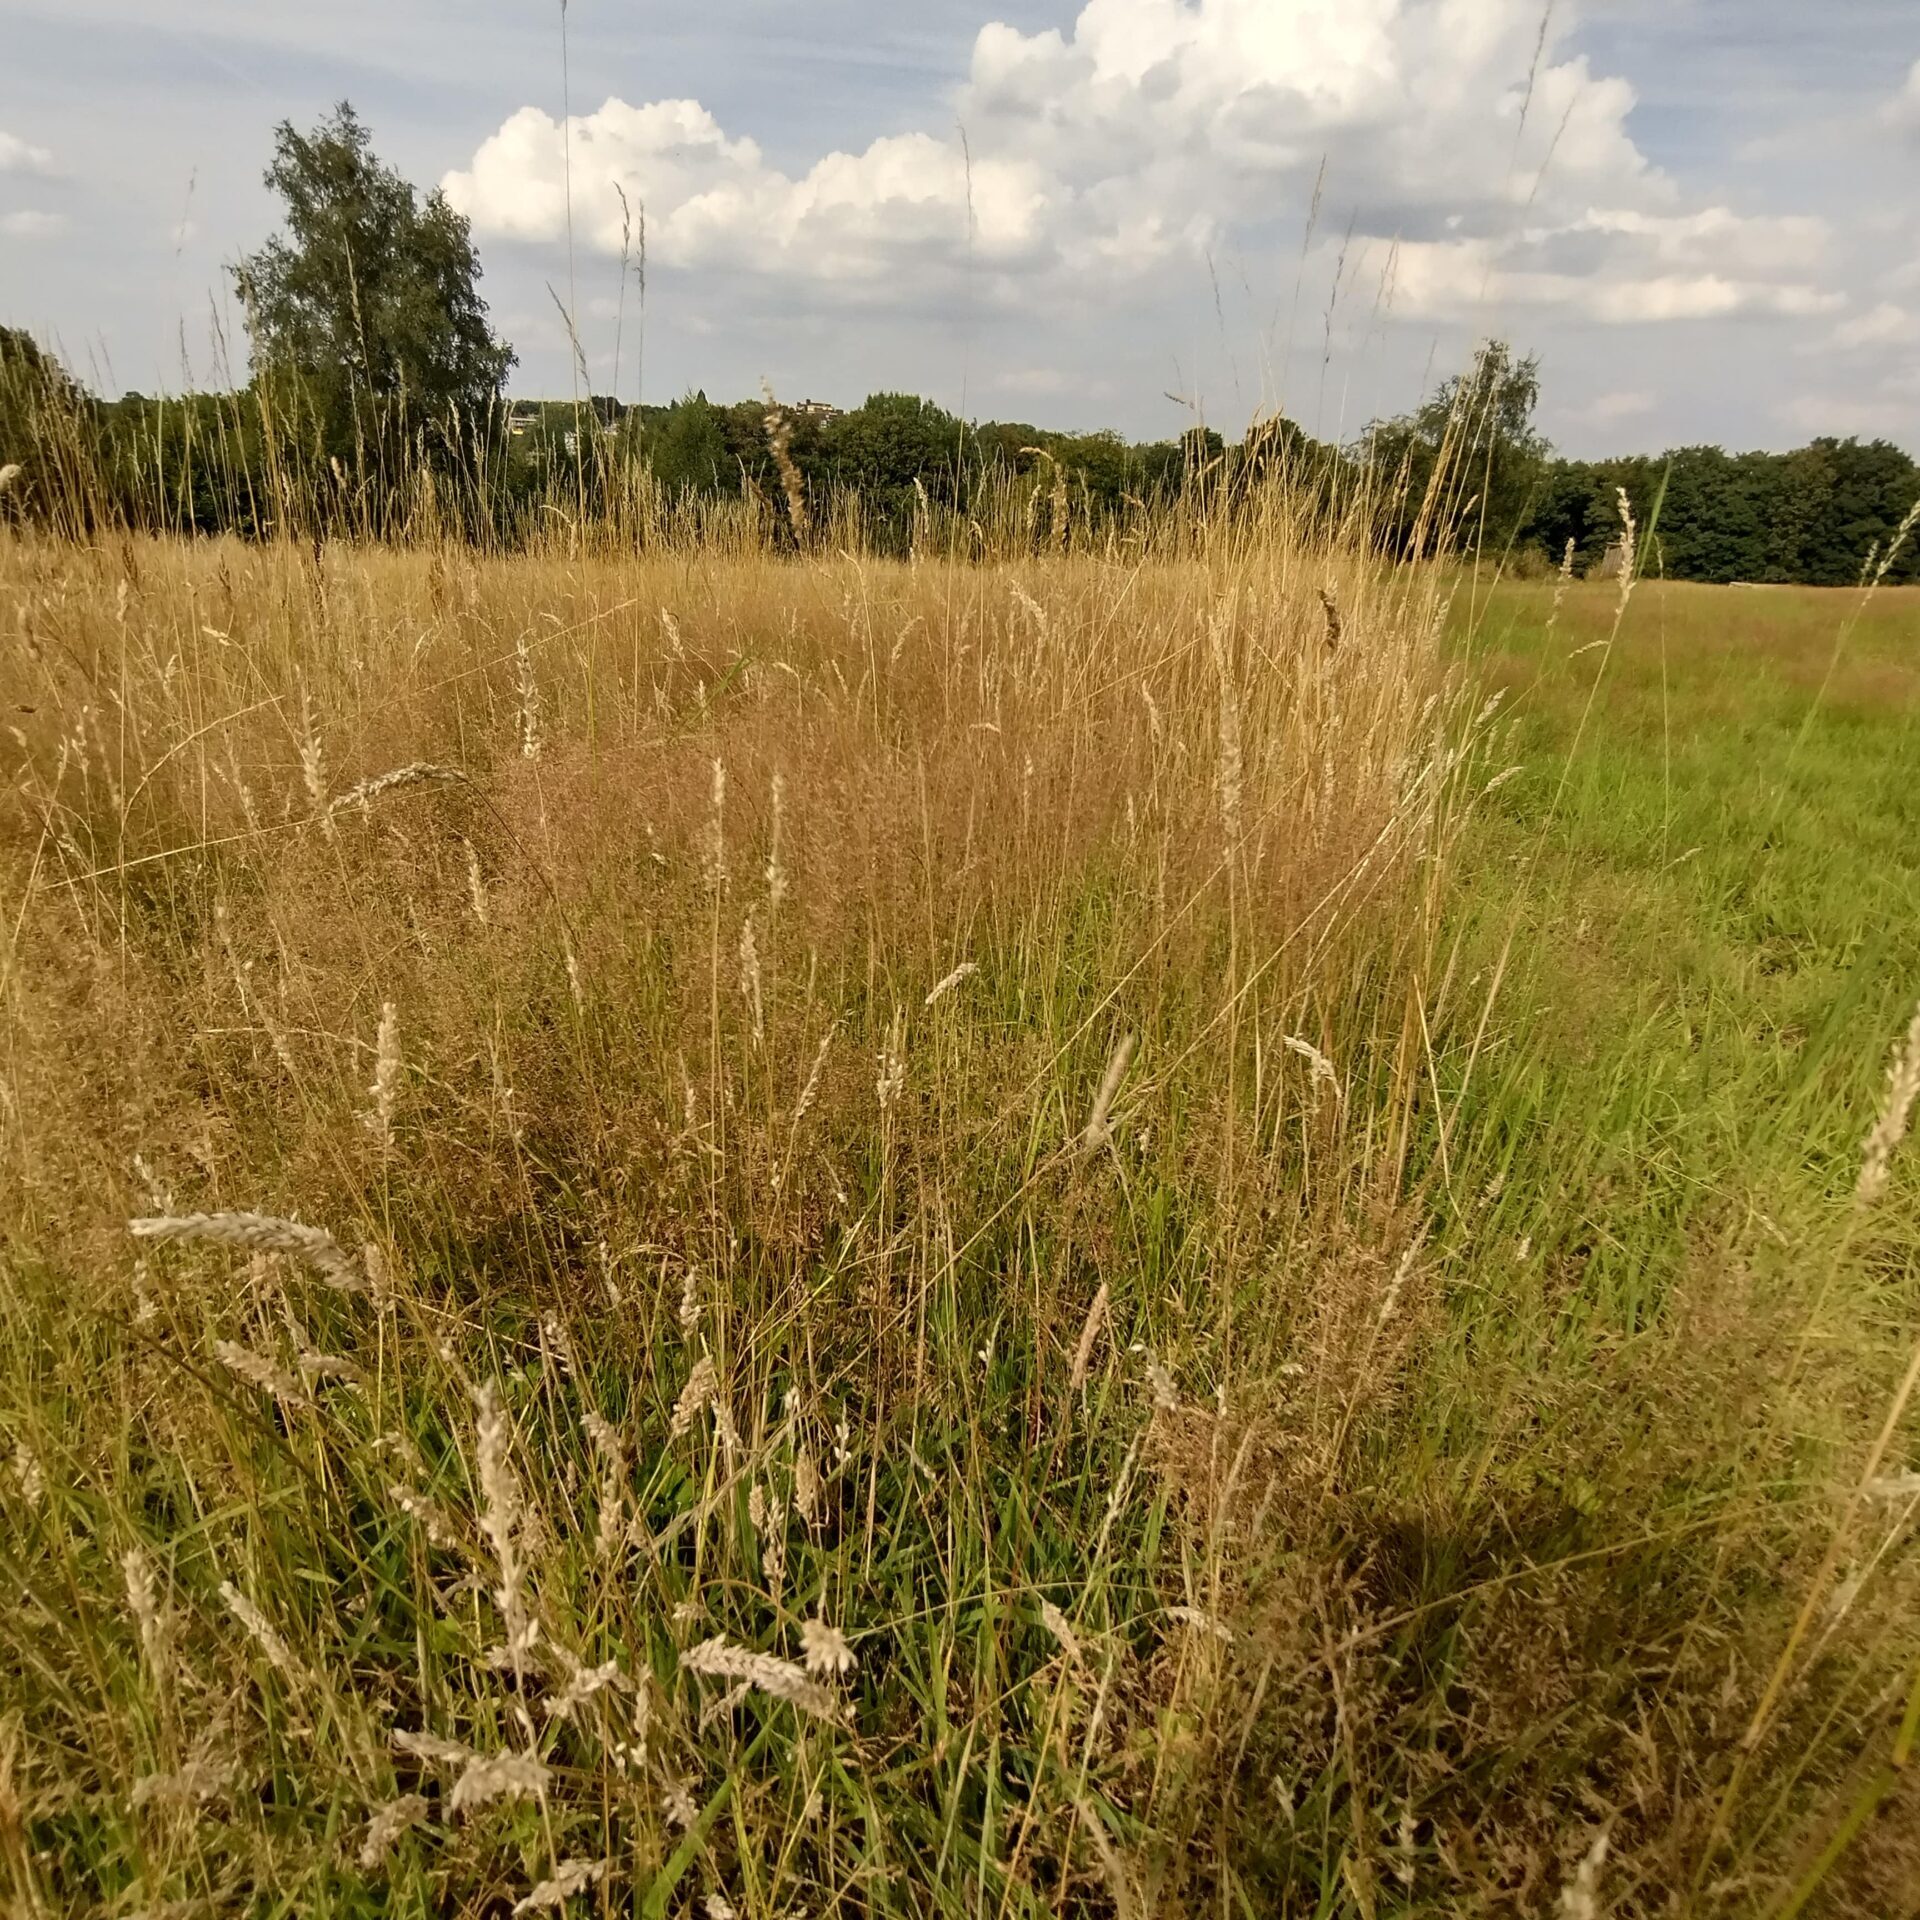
[
  {"x": 1701, "y": 895},
  {"x": 1717, "y": 897}
]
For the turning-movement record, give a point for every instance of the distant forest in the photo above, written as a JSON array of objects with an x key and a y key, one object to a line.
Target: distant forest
[
  {"x": 1812, "y": 516},
  {"x": 376, "y": 407},
  {"x": 201, "y": 463}
]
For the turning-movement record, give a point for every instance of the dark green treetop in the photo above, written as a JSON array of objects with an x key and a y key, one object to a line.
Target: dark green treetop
[{"x": 369, "y": 303}]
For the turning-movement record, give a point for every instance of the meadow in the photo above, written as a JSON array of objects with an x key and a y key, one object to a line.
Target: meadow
[{"x": 710, "y": 1232}]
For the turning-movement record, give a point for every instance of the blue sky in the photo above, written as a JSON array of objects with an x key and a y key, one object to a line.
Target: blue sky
[{"x": 1706, "y": 221}]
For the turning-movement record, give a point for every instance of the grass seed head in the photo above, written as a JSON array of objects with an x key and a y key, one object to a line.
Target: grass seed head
[
  {"x": 498, "y": 1776},
  {"x": 703, "y": 1383},
  {"x": 477, "y": 889},
  {"x": 386, "y": 1075},
  {"x": 28, "y": 1476},
  {"x": 418, "y": 773},
  {"x": 1629, "y": 547},
  {"x": 386, "y": 1826},
  {"x": 1580, "y": 1897},
  {"x": 716, "y": 849},
  {"x": 1099, "y": 1128},
  {"x": 257, "y": 1370},
  {"x": 1199, "y": 1620},
  {"x": 776, "y": 865},
  {"x": 279, "y": 1655},
  {"x": 1090, "y": 1330},
  {"x": 1895, "y": 1116},
  {"x": 764, "y": 1672},
  {"x": 1324, "y": 1074},
  {"x": 200, "y": 1780},
  {"x": 806, "y": 1484},
  {"x": 964, "y": 971},
  {"x": 569, "y": 1878},
  {"x": 585, "y": 1683},
  {"x": 1057, "y": 1624},
  {"x": 143, "y": 1602},
  {"x": 431, "y": 1747},
  {"x": 528, "y": 712},
  {"x": 502, "y": 1517},
  {"x": 811, "y": 1091},
  {"x": 750, "y": 984},
  {"x": 824, "y": 1649},
  {"x": 313, "y": 762},
  {"x": 257, "y": 1233}
]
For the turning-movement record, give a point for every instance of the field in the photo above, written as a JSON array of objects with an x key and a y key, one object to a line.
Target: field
[{"x": 716, "y": 1234}]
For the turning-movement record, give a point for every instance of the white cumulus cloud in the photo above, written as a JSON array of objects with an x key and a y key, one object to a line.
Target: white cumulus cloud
[
  {"x": 1608, "y": 409},
  {"x": 709, "y": 200},
  {"x": 30, "y": 223},
  {"x": 1475, "y": 160},
  {"x": 1884, "y": 325},
  {"x": 21, "y": 156},
  {"x": 1903, "y": 110}
]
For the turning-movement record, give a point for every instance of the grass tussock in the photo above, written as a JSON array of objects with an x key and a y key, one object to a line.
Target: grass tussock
[{"x": 694, "y": 1233}]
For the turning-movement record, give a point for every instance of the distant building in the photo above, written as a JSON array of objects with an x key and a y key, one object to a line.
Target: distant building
[{"x": 819, "y": 411}]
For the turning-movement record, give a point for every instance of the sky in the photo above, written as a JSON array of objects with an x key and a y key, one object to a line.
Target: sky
[{"x": 1703, "y": 216}]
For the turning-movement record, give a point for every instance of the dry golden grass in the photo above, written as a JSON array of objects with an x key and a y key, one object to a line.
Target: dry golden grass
[{"x": 901, "y": 1329}]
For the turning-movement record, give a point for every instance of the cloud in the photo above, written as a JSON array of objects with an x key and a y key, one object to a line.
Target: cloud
[
  {"x": 1903, "y": 110},
  {"x": 712, "y": 201},
  {"x": 29, "y": 223},
  {"x": 1884, "y": 325},
  {"x": 1762, "y": 244},
  {"x": 21, "y": 156},
  {"x": 1456, "y": 280},
  {"x": 1478, "y": 162},
  {"x": 1608, "y": 409},
  {"x": 1863, "y": 414},
  {"x": 1046, "y": 383}
]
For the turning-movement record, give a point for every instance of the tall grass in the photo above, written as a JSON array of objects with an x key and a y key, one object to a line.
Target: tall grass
[{"x": 824, "y": 1234}]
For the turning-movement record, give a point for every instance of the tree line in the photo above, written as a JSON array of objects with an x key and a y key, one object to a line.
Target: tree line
[{"x": 376, "y": 403}]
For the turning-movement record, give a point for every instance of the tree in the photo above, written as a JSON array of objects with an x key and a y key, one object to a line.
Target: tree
[
  {"x": 46, "y": 433},
  {"x": 1465, "y": 469},
  {"x": 28, "y": 375},
  {"x": 1713, "y": 516},
  {"x": 891, "y": 439},
  {"x": 1812, "y": 517},
  {"x": 687, "y": 448},
  {"x": 365, "y": 316},
  {"x": 881, "y": 447},
  {"x": 1869, "y": 488}
]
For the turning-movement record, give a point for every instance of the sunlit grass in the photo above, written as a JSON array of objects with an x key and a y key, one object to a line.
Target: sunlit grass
[{"x": 1007, "y": 1239}]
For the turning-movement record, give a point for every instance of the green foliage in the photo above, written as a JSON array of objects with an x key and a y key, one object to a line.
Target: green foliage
[
  {"x": 197, "y": 463},
  {"x": 348, "y": 415},
  {"x": 688, "y": 448},
  {"x": 897, "y": 450},
  {"x": 1810, "y": 517},
  {"x": 42, "y": 424},
  {"x": 29, "y": 376},
  {"x": 893, "y": 439},
  {"x": 1848, "y": 497},
  {"x": 1463, "y": 472},
  {"x": 366, "y": 317}
]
